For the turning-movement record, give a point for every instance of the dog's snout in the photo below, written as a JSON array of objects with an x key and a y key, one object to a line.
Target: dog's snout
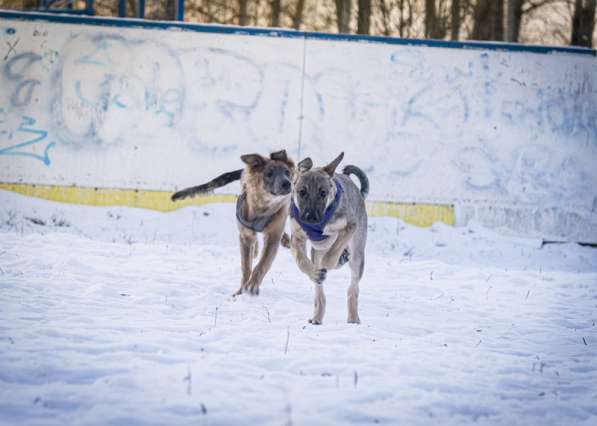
[
  {"x": 286, "y": 185},
  {"x": 311, "y": 217}
]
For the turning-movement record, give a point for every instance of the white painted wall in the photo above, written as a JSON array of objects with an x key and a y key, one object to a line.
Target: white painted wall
[{"x": 510, "y": 138}]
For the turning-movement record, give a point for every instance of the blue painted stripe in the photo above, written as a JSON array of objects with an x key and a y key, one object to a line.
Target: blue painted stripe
[{"x": 285, "y": 33}]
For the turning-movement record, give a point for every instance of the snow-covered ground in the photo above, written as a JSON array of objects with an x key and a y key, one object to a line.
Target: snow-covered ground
[{"x": 115, "y": 316}]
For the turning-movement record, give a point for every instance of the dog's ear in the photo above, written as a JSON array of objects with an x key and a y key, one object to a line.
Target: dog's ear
[
  {"x": 253, "y": 160},
  {"x": 331, "y": 168},
  {"x": 279, "y": 156},
  {"x": 305, "y": 165}
]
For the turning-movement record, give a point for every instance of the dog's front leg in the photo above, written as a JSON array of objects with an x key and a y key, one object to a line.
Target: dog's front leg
[
  {"x": 319, "y": 305},
  {"x": 330, "y": 259},
  {"x": 248, "y": 240},
  {"x": 298, "y": 246}
]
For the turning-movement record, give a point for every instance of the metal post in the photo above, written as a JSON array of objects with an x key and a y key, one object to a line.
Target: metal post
[
  {"x": 122, "y": 8},
  {"x": 179, "y": 10},
  {"x": 89, "y": 7},
  {"x": 141, "y": 9}
]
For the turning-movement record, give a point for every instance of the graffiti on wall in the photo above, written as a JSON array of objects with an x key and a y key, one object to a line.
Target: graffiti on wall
[
  {"x": 19, "y": 134},
  {"x": 489, "y": 125}
]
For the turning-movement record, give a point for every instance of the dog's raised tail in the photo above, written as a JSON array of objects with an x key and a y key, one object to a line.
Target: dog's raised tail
[
  {"x": 361, "y": 176},
  {"x": 206, "y": 188}
]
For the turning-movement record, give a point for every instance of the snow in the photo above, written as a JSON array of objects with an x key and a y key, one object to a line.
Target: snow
[{"x": 117, "y": 316}]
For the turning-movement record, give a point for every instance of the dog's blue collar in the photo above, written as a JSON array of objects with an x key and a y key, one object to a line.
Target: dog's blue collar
[
  {"x": 315, "y": 230},
  {"x": 258, "y": 224}
]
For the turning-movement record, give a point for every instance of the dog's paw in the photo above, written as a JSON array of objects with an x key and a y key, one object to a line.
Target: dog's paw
[
  {"x": 318, "y": 276},
  {"x": 285, "y": 240},
  {"x": 344, "y": 257},
  {"x": 251, "y": 287},
  {"x": 315, "y": 321},
  {"x": 354, "y": 320}
]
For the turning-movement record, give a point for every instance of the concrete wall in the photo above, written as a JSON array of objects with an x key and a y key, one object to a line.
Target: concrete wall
[{"x": 508, "y": 137}]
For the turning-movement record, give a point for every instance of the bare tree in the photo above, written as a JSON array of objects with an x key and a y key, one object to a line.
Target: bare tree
[
  {"x": 297, "y": 17},
  {"x": 436, "y": 18},
  {"x": 343, "y": 12},
  {"x": 514, "y": 13},
  {"x": 583, "y": 23},
  {"x": 385, "y": 18},
  {"x": 488, "y": 20},
  {"x": 455, "y": 15},
  {"x": 242, "y": 12},
  {"x": 517, "y": 10},
  {"x": 29, "y": 4},
  {"x": 430, "y": 19},
  {"x": 392, "y": 10},
  {"x": 364, "y": 22},
  {"x": 498, "y": 20},
  {"x": 406, "y": 20},
  {"x": 276, "y": 11},
  {"x": 170, "y": 12}
]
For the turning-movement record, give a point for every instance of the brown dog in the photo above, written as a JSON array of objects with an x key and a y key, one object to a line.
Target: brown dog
[{"x": 266, "y": 187}]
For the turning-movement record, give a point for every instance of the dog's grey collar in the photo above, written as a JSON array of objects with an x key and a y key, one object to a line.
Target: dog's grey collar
[{"x": 258, "y": 224}]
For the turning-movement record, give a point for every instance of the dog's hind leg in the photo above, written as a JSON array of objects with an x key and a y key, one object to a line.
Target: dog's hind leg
[
  {"x": 255, "y": 249},
  {"x": 357, "y": 265},
  {"x": 248, "y": 241},
  {"x": 272, "y": 236},
  {"x": 270, "y": 249}
]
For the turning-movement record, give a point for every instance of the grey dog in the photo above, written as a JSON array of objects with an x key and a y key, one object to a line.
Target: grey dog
[{"x": 329, "y": 210}]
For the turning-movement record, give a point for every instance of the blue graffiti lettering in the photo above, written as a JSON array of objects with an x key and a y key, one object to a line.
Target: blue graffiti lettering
[
  {"x": 39, "y": 136},
  {"x": 18, "y": 64},
  {"x": 23, "y": 92}
]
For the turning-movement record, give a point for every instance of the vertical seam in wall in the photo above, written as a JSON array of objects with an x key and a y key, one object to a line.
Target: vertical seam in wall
[{"x": 302, "y": 99}]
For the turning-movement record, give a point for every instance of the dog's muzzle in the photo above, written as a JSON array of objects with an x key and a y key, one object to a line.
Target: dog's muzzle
[
  {"x": 283, "y": 188},
  {"x": 311, "y": 216}
]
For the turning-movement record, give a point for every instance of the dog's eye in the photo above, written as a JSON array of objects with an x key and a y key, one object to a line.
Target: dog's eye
[
  {"x": 286, "y": 173},
  {"x": 323, "y": 194},
  {"x": 270, "y": 175},
  {"x": 302, "y": 193}
]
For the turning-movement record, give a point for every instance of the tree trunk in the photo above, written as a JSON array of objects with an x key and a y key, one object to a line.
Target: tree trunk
[
  {"x": 297, "y": 18},
  {"x": 455, "y": 12},
  {"x": 343, "y": 9},
  {"x": 242, "y": 12},
  {"x": 170, "y": 10},
  {"x": 385, "y": 16},
  {"x": 401, "y": 18},
  {"x": 30, "y": 4},
  {"x": 364, "y": 17},
  {"x": 514, "y": 18},
  {"x": 583, "y": 23},
  {"x": 498, "y": 20},
  {"x": 276, "y": 9},
  {"x": 434, "y": 26},
  {"x": 488, "y": 20},
  {"x": 430, "y": 19}
]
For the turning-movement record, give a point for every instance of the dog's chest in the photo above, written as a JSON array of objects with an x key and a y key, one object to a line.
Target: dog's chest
[{"x": 324, "y": 244}]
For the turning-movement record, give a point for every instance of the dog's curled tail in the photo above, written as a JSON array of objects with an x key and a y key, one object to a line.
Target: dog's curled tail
[
  {"x": 206, "y": 188},
  {"x": 364, "y": 181}
]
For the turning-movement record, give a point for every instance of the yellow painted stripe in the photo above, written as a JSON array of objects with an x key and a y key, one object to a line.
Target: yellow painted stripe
[
  {"x": 412, "y": 213},
  {"x": 153, "y": 200}
]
